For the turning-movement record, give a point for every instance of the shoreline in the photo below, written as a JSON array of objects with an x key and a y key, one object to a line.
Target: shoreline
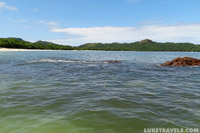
[{"x": 21, "y": 50}]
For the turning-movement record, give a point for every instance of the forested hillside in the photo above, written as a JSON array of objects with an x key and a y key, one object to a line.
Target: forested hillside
[
  {"x": 20, "y": 43},
  {"x": 144, "y": 45}
]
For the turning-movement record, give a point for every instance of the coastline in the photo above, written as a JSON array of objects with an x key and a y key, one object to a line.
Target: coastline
[{"x": 19, "y": 50}]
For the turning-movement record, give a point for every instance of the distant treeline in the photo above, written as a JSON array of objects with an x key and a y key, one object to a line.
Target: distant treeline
[
  {"x": 21, "y": 44},
  {"x": 144, "y": 45}
]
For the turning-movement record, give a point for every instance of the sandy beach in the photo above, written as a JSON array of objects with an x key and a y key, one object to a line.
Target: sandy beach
[{"x": 14, "y": 50}]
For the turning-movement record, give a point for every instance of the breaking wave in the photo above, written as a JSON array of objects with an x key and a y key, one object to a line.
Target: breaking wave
[{"x": 62, "y": 61}]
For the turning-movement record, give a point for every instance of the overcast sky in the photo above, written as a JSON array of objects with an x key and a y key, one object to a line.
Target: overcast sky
[{"x": 75, "y": 22}]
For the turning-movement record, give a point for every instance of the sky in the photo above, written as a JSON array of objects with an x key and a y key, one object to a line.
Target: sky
[{"x": 75, "y": 22}]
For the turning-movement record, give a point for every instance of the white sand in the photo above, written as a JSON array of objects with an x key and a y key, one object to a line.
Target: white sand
[{"x": 11, "y": 49}]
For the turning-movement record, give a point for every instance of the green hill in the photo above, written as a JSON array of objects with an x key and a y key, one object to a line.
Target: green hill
[
  {"x": 144, "y": 45},
  {"x": 20, "y": 43}
]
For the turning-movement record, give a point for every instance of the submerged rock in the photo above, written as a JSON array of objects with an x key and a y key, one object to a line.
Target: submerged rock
[
  {"x": 112, "y": 61},
  {"x": 185, "y": 61}
]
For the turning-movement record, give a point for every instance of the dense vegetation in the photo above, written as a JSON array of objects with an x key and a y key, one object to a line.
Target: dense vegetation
[
  {"x": 144, "y": 45},
  {"x": 19, "y": 43}
]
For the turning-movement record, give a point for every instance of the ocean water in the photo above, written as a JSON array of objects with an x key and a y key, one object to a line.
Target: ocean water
[{"x": 78, "y": 92}]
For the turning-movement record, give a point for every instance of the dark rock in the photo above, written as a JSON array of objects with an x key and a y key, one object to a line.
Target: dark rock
[{"x": 185, "y": 61}]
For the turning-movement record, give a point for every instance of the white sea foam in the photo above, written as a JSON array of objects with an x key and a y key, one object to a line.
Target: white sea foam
[
  {"x": 61, "y": 61},
  {"x": 66, "y": 61},
  {"x": 54, "y": 61}
]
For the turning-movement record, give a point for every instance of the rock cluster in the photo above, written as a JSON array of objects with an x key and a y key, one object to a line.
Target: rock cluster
[{"x": 185, "y": 61}]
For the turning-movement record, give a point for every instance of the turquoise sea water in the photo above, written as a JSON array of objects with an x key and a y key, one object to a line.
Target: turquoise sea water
[{"x": 78, "y": 92}]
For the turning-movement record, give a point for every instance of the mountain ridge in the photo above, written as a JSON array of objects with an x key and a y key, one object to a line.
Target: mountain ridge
[{"x": 144, "y": 45}]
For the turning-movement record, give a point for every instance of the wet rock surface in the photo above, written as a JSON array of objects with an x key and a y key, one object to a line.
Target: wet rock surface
[{"x": 185, "y": 61}]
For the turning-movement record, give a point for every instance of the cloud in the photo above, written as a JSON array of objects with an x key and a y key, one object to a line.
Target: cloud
[
  {"x": 48, "y": 23},
  {"x": 4, "y": 6},
  {"x": 161, "y": 33}
]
